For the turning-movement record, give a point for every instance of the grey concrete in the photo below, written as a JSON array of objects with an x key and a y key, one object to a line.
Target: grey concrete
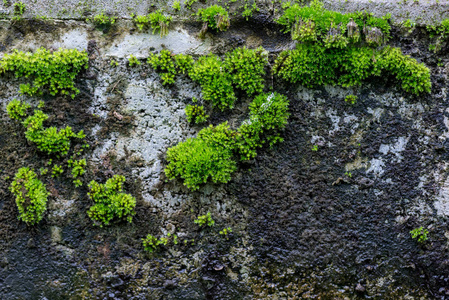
[{"x": 422, "y": 12}]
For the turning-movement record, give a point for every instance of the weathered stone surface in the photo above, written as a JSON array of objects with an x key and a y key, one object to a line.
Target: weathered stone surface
[{"x": 295, "y": 233}]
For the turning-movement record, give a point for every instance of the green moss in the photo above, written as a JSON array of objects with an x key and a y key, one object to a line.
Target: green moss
[
  {"x": 170, "y": 65},
  {"x": 110, "y": 202},
  {"x": 19, "y": 10},
  {"x": 209, "y": 156},
  {"x": 49, "y": 140},
  {"x": 56, "y": 171},
  {"x": 176, "y": 5},
  {"x": 151, "y": 243},
  {"x": 209, "y": 71},
  {"x": 189, "y": 3},
  {"x": 53, "y": 72},
  {"x": 156, "y": 20},
  {"x": 313, "y": 65},
  {"x": 314, "y": 23},
  {"x": 214, "y": 17},
  {"x": 267, "y": 117},
  {"x": 196, "y": 114},
  {"x": 133, "y": 61},
  {"x": 242, "y": 68},
  {"x": 78, "y": 169},
  {"x": 351, "y": 99},
  {"x": 247, "y": 68},
  {"x": 205, "y": 220},
  {"x": 102, "y": 20},
  {"x": 249, "y": 9},
  {"x": 225, "y": 232},
  {"x": 31, "y": 196},
  {"x": 16, "y": 109},
  {"x": 141, "y": 21},
  {"x": 413, "y": 76},
  {"x": 420, "y": 234},
  {"x": 213, "y": 154}
]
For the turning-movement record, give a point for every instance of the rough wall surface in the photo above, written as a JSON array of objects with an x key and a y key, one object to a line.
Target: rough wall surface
[{"x": 326, "y": 224}]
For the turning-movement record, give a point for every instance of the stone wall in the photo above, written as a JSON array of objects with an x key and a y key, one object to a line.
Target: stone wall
[{"x": 331, "y": 224}]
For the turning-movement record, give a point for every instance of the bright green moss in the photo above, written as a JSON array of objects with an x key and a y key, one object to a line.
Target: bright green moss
[
  {"x": 268, "y": 115},
  {"x": 31, "y": 196},
  {"x": 141, "y": 21},
  {"x": 205, "y": 220},
  {"x": 214, "y": 17},
  {"x": 176, "y": 5},
  {"x": 242, "y": 68},
  {"x": 49, "y": 140},
  {"x": 247, "y": 68},
  {"x": 351, "y": 99},
  {"x": 196, "y": 114},
  {"x": 159, "y": 21},
  {"x": 164, "y": 63},
  {"x": 17, "y": 109},
  {"x": 19, "y": 10},
  {"x": 78, "y": 169},
  {"x": 151, "y": 243},
  {"x": 212, "y": 155},
  {"x": 156, "y": 20},
  {"x": 413, "y": 76},
  {"x": 313, "y": 65},
  {"x": 314, "y": 23},
  {"x": 102, "y": 20},
  {"x": 209, "y": 71},
  {"x": 53, "y": 72},
  {"x": 56, "y": 171},
  {"x": 209, "y": 156},
  {"x": 133, "y": 61},
  {"x": 420, "y": 234},
  {"x": 189, "y": 3},
  {"x": 110, "y": 202},
  {"x": 170, "y": 64}
]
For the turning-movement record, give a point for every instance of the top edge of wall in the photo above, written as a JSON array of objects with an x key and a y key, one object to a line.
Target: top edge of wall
[{"x": 422, "y": 12}]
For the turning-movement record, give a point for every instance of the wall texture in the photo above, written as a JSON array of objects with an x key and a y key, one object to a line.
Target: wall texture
[{"x": 301, "y": 227}]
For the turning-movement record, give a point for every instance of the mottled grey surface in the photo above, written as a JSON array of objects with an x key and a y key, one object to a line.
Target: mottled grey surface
[{"x": 422, "y": 12}]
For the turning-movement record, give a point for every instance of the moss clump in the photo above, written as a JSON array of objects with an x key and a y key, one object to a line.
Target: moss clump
[
  {"x": 151, "y": 243},
  {"x": 31, "y": 196},
  {"x": 351, "y": 99},
  {"x": 110, "y": 202},
  {"x": 156, "y": 20},
  {"x": 247, "y": 68},
  {"x": 210, "y": 72},
  {"x": 102, "y": 20},
  {"x": 214, "y": 17},
  {"x": 213, "y": 154},
  {"x": 312, "y": 65},
  {"x": 19, "y": 10},
  {"x": 16, "y": 109},
  {"x": 133, "y": 61},
  {"x": 242, "y": 68},
  {"x": 78, "y": 169},
  {"x": 267, "y": 117},
  {"x": 196, "y": 114},
  {"x": 205, "y": 220},
  {"x": 170, "y": 64},
  {"x": 53, "y": 72},
  {"x": 420, "y": 234},
  {"x": 209, "y": 156},
  {"x": 49, "y": 140},
  {"x": 314, "y": 23}
]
